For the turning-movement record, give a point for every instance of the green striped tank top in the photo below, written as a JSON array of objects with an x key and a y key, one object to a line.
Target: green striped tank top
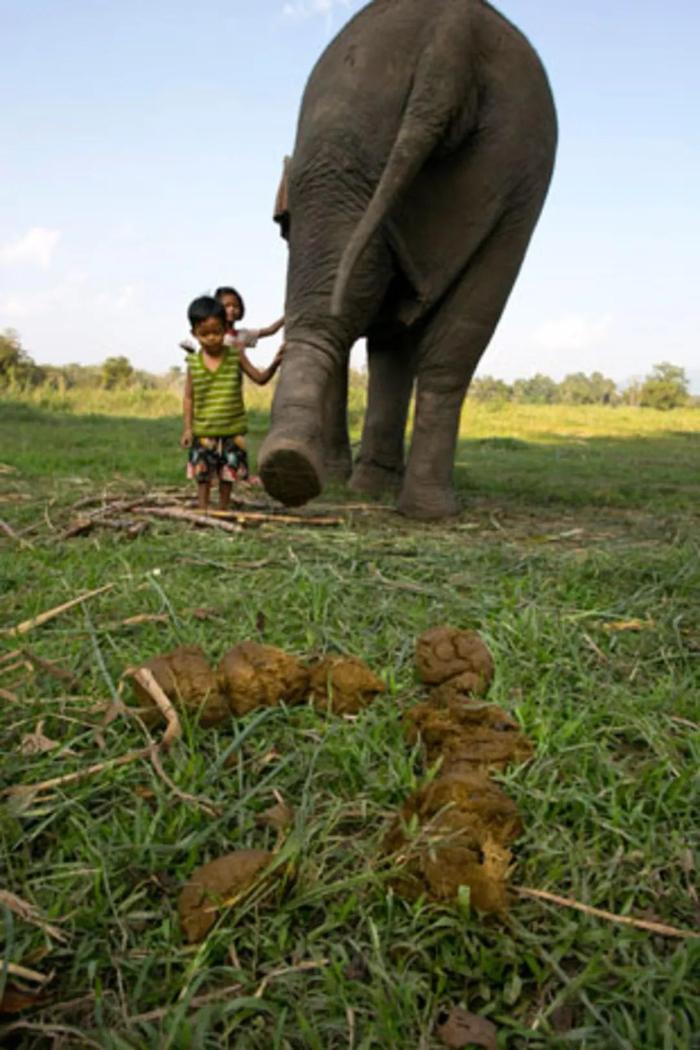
[{"x": 218, "y": 396}]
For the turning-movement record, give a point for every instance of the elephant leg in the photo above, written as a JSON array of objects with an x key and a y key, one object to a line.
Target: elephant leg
[
  {"x": 450, "y": 347},
  {"x": 380, "y": 465},
  {"x": 337, "y": 455}
]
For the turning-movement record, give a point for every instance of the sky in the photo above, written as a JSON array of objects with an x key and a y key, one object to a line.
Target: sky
[{"x": 141, "y": 147}]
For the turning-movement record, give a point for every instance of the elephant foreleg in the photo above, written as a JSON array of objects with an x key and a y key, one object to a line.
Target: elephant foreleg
[{"x": 380, "y": 465}]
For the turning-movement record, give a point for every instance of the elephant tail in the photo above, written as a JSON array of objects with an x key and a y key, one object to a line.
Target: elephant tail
[
  {"x": 435, "y": 99},
  {"x": 414, "y": 143}
]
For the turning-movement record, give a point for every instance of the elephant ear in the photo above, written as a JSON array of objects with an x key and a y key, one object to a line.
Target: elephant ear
[{"x": 281, "y": 210}]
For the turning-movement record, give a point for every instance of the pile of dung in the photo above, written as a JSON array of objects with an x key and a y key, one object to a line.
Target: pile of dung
[
  {"x": 465, "y": 822},
  {"x": 254, "y": 675},
  {"x": 462, "y": 823},
  {"x": 190, "y": 684},
  {"x": 215, "y": 885},
  {"x": 251, "y": 675},
  {"x": 344, "y": 684},
  {"x": 467, "y": 735},
  {"x": 446, "y": 653}
]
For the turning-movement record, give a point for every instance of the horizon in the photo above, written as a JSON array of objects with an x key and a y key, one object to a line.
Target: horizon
[{"x": 110, "y": 222}]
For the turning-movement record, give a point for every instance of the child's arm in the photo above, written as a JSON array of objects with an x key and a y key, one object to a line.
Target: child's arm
[
  {"x": 272, "y": 329},
  {"x": 261, "y": 376},
  {"x": 187, "y": 412}
]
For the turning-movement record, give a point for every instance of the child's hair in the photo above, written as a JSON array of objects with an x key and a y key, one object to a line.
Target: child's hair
[
  {"x": 227, "y": 290},
  {"x": 203, "y": 308}
]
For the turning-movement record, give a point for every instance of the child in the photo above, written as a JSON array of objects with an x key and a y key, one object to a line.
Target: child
[
  {"x": 214, "y": 415},
  {"x": 232, "y": 302}
]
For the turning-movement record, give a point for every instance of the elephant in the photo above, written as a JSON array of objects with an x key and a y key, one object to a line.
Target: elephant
[{"x": 424, "y": 152}]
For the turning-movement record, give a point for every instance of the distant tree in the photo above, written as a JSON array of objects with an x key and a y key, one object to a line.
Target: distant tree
[
  {"x": 665, "y": 388},
  {"x": 116, "y": 372},
  {"x": 632, "y": 393},
  {"x": 539, "y": 390},
  {"x": 580, "y": 389},
  {"x": 486, "y": 388},
  {"x": 16, "y": 366}
]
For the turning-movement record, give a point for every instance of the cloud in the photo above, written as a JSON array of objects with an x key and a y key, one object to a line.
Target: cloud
[
  {"x": 302, "y": 9},
  {"x": 71, "y": 297},
  {"x": 35, "y": 248},
  {"x": 572, "y": 332}
]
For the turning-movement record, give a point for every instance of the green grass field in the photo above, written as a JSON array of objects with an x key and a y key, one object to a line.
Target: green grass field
[{"x": 573, "y": 519}]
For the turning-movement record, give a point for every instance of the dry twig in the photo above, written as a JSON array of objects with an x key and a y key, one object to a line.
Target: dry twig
[
  {"x": 10, "y": 532},
  {"x": 81, "y": 774},
  {"x": 178, "y": 514},
  {"x": 147, "y": 679},
  {"x": 50, "y": 614},
  {"x": 202, "y": 803},
  {"x": 256, "y": 517},
  {"x": 25, "y": 974},
  {"x": 51, "y": 668},
  {"x": 30, "y": 913},
  {"x": 231, "y": 991},
  {"x": 625, "y": 920},
  {"x": 284, "y": 970}
]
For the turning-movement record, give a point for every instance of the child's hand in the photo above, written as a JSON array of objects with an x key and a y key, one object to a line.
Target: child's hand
[
  {"x": 279, "y": 356},
  {"x": 186, "y": 439}
]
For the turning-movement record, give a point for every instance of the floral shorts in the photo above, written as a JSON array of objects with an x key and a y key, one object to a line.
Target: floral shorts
[{"x": 224, "y": 458}]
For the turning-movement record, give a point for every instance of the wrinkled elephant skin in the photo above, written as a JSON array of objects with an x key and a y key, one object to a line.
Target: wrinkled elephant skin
[{"x": 424, "y": 152}]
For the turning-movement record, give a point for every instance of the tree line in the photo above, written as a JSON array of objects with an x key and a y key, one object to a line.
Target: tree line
[
  {"x": 665, "y": 387},
  {"x": 19, "y": 371}
]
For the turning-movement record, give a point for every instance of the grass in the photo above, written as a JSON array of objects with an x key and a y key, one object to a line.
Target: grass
[{"x": 573, "y": 519}]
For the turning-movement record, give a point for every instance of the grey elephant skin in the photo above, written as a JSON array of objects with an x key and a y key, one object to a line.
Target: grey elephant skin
[{"x": 424, "y": 152}]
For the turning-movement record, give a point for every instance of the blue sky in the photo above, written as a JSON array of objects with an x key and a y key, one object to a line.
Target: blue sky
[{"x": 141, "y": 145}]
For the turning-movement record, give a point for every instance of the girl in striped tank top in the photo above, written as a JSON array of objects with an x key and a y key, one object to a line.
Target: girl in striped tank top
[{"x": 214, "y": 414}]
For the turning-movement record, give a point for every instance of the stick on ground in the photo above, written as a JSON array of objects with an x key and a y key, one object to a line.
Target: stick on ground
[
  {"x": 625, "y": 920},
  {"x": 147, "y": 679},
  {"x": 30, "y": 913},
  {"x": 81, "y": 774},
  {"x": 50, "y": 614},
  {"x": 177, "y": 514}
]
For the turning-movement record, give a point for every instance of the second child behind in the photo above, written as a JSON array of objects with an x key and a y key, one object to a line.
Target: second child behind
[{"x": 214, "y": 414}]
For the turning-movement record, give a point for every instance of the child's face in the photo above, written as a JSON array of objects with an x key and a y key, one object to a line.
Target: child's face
[
  {"x": 232, "y": 307},
  {"x": 210, "y": 334}
]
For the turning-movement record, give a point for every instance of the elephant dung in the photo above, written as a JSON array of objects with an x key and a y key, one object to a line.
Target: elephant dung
[
  {"x": 465, "y": 823},
  {"x": 470, "y": 735},
  {"x": 215, "y": 885},
  {"x": 344, "y": 684},
  {"x": 255, "y": 675},
  {"x": 443, "y": 653},
  {"x": 190, "y": 684}
]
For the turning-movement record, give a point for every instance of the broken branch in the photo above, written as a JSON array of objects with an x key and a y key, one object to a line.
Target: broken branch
[
  {"x": 81, "y": 774},
  {"x": 147, "y": 679},
  {"x": 625, "y": 920},
  {"x": 30, "y": 913},
  {"x": 177, "y": 514},
  {"x": 50, "y": 614}
]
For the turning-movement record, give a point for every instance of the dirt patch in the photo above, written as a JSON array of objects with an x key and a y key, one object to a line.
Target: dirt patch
[
  {"x": 254, "y": 675},
  {"x": 443, "y": 653},
  {"x": 215, "y": 885},
  {"x": 344, "y": 684},
  {"x": 189, "y": 682}
]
